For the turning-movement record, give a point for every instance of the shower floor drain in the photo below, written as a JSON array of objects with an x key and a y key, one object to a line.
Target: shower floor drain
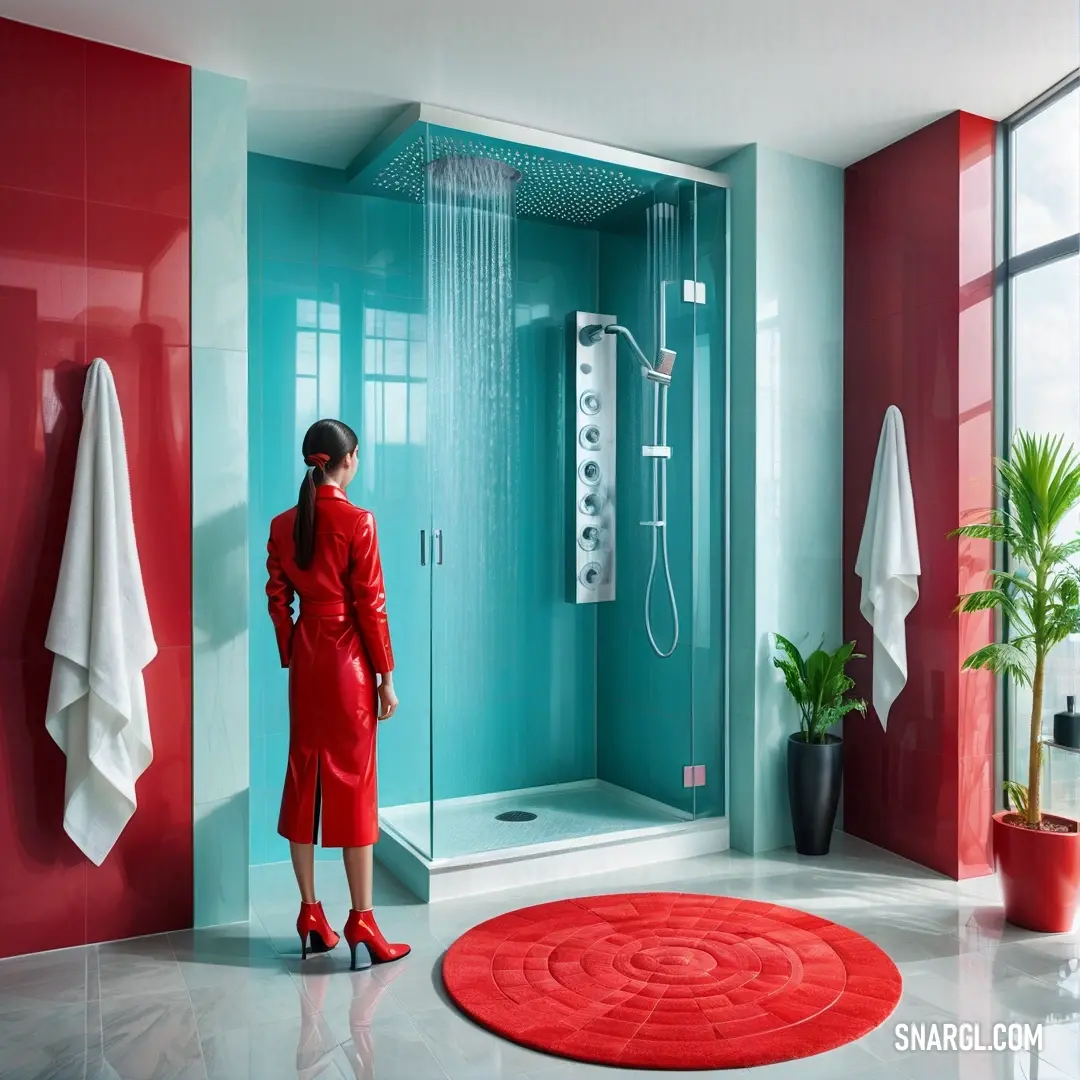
[{"x": 515, "y": 815}]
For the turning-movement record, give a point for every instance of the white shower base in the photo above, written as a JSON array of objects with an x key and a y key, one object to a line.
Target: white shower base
[{"x": 582, "y": 828}]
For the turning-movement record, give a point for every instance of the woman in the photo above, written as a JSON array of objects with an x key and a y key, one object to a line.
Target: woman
[{"x": 326, "y": 551}]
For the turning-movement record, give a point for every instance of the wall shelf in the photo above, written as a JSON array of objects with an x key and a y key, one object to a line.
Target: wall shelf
[{"x": 1058, "y": 746}]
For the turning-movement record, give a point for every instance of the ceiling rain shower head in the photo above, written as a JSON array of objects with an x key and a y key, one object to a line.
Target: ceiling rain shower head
[
  {"x": 472, "y": 167},
  {"x": 560, "y": 178},
  {"x": 578, "y": 193}
]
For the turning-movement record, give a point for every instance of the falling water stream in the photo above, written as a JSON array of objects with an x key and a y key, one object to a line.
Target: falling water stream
[
  {"x": 662, "y": 260},
  {"x": 662, "y": 254},
  {"x": 475, "y": 409}
]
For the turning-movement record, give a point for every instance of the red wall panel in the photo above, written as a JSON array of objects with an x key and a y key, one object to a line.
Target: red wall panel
[
  {"x": 42, "y": 111},
  {"x": 918, "y": 260},
  {"x": 94, "y": 261}
]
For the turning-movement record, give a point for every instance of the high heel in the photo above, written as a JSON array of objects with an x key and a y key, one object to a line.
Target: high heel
[
  {"x": 316, "y": 934},
  {"x": 361, "y": 929}
]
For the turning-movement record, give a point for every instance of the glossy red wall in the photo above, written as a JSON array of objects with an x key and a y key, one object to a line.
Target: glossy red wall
[
  {"x": 918, "y": 333},
  {"x": 94, "y": 261}
]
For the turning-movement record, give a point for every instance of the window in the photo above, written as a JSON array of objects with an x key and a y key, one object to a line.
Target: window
[
  {"x": 395, "y": 382},
  {"x": 1042, "y": 354},
  {"x": 318, "y": 363},
  {"x": 1046, "y": 174}
]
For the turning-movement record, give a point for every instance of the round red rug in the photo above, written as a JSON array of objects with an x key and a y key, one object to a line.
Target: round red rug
[{"x": 671, "y": 981}]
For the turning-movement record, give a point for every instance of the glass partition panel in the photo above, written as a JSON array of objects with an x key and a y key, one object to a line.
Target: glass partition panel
[
  {"x": 338, "y": 330},
  {"x": 644, "y": 665},
  {"x": 708, "y": 628}
]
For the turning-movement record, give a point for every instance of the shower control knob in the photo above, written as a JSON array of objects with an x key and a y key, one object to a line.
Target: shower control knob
[
  {"x": 590, "y": 575},
  {"x": 592, "y": 504},
  {"x": 589, "y": 538}
]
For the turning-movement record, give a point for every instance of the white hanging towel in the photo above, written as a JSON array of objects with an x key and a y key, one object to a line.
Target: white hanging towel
[
  {"x": 100, "y": 634},
  {"x": 888, "y": 563}
]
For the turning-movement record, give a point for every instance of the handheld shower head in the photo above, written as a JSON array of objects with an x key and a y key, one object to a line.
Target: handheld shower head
[
  {"x": 660, "y": 372},
  {"x": 665, "y": 364}
]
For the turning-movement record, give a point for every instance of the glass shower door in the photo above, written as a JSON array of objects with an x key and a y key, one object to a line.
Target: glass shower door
[
  {"x": 645, "y": 744},
  {"x": 383, "y": 323},
  {"x": 476, "y": 654},
  {"x": 708, "y": 631},
  {"x": 554, "y": 718}
]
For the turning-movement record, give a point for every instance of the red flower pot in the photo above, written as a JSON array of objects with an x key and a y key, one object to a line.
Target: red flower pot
[{"x": 1039, "y": 872}]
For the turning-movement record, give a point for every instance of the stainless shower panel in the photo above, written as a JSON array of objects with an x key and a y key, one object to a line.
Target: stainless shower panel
[{"x": 590, "y": 442}]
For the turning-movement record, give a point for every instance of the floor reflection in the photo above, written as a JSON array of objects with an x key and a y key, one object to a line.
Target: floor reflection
[{"x": 316, "y": 1049}]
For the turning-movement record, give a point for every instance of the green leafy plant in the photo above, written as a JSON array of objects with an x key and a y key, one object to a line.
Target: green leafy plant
[
  {"x": 819, "y": 686},
  {"x": 1017, "y": 794},
  {"x": 1038, "y": 487}
]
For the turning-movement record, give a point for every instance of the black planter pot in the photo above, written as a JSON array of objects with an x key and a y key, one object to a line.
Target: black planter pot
[
  {"x": 1067, "y": 726},
  {"x": 814, "y": 772}
]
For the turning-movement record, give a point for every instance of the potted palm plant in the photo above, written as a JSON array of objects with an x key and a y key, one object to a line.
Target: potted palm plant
[
  {"x": 819, "y": 686},
  {"x": 1037, "y": 855}
]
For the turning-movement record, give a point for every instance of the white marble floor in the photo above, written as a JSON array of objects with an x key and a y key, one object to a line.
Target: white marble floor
[{"x": 236, "y": 1004}]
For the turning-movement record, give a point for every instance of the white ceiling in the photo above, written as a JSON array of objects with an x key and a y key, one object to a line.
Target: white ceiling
[{"x": 684, "y": 79}]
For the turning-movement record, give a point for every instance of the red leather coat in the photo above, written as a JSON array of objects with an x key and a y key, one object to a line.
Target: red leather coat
[{"x": 333, "y": 650}]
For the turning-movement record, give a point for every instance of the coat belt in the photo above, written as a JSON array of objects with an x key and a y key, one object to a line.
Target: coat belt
[{"x": 312, "y": 609}]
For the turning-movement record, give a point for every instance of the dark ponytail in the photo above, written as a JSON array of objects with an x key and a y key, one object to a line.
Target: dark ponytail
[{"x": 326, "y": 445}]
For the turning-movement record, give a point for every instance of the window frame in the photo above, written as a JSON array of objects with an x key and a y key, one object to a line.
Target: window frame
[{"x": 1010, "y": 265}]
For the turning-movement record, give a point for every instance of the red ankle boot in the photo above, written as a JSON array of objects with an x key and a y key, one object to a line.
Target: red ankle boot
[
  {"x": 316, "y": 934},
  {"x": 361, "y": 929}
]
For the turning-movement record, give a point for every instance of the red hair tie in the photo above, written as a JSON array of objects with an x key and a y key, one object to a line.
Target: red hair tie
[{"x": 317, "y": 461}]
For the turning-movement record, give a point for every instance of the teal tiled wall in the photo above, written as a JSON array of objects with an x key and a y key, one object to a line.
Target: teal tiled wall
[
  {"x": 219, "y": 335},
  {"x": 786, "y": 458}
]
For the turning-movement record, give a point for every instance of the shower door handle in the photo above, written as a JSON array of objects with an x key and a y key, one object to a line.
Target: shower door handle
[
  {"x": 438, "y": 541},
  {"x": 423, "y": 547}
]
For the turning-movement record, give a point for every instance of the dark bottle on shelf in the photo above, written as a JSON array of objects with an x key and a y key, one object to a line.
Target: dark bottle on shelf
[{"x": 1067, "y": 726}]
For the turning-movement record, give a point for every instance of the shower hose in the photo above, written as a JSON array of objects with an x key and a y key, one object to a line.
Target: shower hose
[{"x": 659, "y": 523}]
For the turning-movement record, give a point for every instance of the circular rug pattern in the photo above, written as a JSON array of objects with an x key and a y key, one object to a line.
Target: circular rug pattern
[{"x": 671, "y": 981}]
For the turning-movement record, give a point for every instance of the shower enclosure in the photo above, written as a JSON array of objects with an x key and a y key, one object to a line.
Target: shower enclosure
[{"x": 542, "y": 418}]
